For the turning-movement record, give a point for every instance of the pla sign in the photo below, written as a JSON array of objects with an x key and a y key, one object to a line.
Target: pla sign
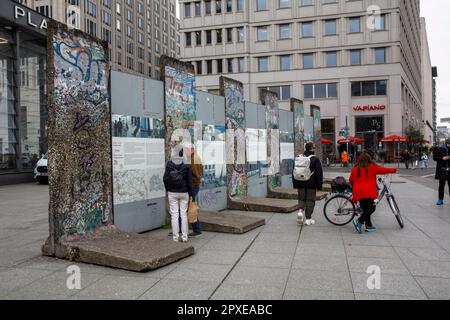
[{"x": 379, "y": 107}]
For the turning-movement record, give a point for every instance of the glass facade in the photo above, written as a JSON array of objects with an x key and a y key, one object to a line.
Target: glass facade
[{"x": 23, "y": 101}]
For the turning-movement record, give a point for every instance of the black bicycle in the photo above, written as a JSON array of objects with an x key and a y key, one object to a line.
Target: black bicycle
[{"x": 340, "y": 210}]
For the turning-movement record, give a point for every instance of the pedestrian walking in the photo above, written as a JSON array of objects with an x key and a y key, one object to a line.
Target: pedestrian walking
[
  {"x": 308, "y": 179},
  {"x": 424, "y": 161},
  {"x": 197, "y": 172},
  {"x": 406, "y": 158},
  {"x": 344, "y": 158},
  {"x": 178, "y": 183},
  {"x": 363, "y": 179},
  {"x": 442, "y": 157}
]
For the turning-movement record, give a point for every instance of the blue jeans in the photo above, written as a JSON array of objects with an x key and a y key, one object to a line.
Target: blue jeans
[{"x": 196, "y": 225}]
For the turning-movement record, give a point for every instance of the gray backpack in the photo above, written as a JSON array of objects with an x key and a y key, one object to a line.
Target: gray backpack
[{"x": 301, "y": 169}]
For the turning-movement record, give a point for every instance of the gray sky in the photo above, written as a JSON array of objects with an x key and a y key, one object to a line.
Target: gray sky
[
  {"x": 437, "y": 16},
  {"x": 436, "y": 13}
]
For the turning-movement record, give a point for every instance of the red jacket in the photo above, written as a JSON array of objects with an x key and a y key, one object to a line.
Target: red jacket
[{"x": 365, "y": 186}]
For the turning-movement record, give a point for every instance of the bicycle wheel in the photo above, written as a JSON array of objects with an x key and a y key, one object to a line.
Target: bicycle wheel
[
  {"x": 339, "y": 210},
  {"x": 396, "y": 211}
]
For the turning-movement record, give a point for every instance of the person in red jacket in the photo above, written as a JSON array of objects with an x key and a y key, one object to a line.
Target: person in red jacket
[{"x": 364, "y": 184}]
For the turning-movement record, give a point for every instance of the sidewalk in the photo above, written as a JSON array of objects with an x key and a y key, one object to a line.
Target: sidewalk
[{"x": 276, "y": 261}]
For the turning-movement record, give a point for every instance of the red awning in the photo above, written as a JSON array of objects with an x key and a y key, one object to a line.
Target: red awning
[
  {"x": 394, "y": 138},
  {"x": 350, "y": 140},
  {"x": 325, "y": 141}
]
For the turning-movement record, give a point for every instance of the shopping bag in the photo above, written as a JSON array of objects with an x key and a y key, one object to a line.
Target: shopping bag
[{"x": 192, "y": 212}]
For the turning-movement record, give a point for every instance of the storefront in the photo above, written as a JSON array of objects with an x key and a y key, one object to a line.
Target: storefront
[{"x": 23, "y": 101}]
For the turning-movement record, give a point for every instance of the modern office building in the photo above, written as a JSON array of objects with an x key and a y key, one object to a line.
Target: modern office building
[
  {"x": 358, "y": 60},
  {"x": 427, "y": 85},
  {"x": 23, "y": 101},
  {"x": 138, "y": 31},
  {"x": 434, "y": 112}
]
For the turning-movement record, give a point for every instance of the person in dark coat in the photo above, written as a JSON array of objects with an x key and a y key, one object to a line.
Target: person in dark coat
[
  {"x": 307, "y": 190},
  {"x": 442, "y": 157},
  {"x": 178, "y": 183}
]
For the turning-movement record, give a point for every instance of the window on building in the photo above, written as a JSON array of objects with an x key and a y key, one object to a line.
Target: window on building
[
  {"x": 380, "y": 22},
  {"x": 241, "y": 64},
  {"x": 199, "y": 67},
  {"x": 91, "y": 27},
  {"x": 369, "y": 88},
  {"x": 188, "y": 36},
  {"x": 380, "y": 55},
  {"x": 198, "y": 38},
  {"x": 304, "y": 3},
  {"x": 263, "y": 64},
  {"x": 229, "y": 35},
  {"x": 262, "y": 34},
  {"x": 283, "y": 4},
  {"x": 331, "y": 59},
  {"x": 230, "y": 65},
  {"x": 218, "y": 6},
  {"x": 187, "y": 10},
  {"x": 307, "y": 29},
  {"x": 229, "y": 5},
  {"x": 241, "y": 34},
  {"x": 208, "y": 37},
  {"x": 219, "y": 66},
  {"x": 308, "y": 60},
  {"x": 219, "y": 36},
  {"x": 354, "y": 24},
  {"x": 209, "y": 68},
  {"x": 207, "y": 7},
  {"x": 330, "y": 27},
  {"x": 285, "y": 62},
  {"x": 283, "y": 92},
  {"x": 261, "y": 5},
  {"x": 320, "y": 91},
  {"x": 355, "y": 57},
  {"x": 239, "y": 5},
  {"x": 198, "y": 10},
  {"x": 285, "y": 30}
]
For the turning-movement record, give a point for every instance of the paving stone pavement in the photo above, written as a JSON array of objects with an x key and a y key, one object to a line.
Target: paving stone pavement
[{"x": 277, "y": 261}]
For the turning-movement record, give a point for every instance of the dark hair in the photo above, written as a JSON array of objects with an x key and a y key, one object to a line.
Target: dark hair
[
  {"x": 181, "y": 153},
  {"x": 364, "y": 162},
  {"x": 309, "y": 146}
]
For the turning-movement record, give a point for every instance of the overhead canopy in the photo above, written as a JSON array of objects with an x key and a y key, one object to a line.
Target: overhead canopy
[
  {"x": 394, "y": 138},
  {"x": 350, "y": 140},
  {"x": 325, "y": 141}
]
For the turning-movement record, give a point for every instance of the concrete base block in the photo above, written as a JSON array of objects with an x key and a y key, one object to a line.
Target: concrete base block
[
  {"x": 292, "y": 194},
  {"x": 264, "y": 205},
  {"x": 228, "y": 222},
  {"x": 123, "y": 250}
]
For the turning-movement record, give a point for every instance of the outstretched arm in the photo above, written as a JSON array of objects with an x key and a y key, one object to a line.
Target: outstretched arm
[{"x": 381, "y": 170}]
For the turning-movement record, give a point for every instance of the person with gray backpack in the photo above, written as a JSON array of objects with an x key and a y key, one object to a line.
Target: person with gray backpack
[{"x": 308, "y": 179}]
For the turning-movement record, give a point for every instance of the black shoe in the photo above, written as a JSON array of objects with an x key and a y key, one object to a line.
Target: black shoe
[{"x": 194, "y": 234}]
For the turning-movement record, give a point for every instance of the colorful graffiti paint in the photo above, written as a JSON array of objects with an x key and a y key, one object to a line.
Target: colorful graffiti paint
[
  {"x": 317, "y": 127},
  {"x": 299, "y": 126},
  {"x": 270, "y": 101},
  {"x": 233, "y": 91},
  {"x": 79, "y": 134},
  {"x": 180, "y": 97}
]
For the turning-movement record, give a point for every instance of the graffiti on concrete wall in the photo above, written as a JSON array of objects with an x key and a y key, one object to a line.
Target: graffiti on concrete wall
[
  {"x": 270, "y": 100},
  {"x": 180, "y": 106},
  {"x": 299, "y": 126},
  {"x": 315, "y": 113},
  {"x": 79, "y": 133},
  {"x": 233, "y": 91}
]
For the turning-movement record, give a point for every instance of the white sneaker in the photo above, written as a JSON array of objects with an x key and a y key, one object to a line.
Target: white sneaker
[
  {"x": 300, "y": 217},
  {"x": 310, "y": 222}
]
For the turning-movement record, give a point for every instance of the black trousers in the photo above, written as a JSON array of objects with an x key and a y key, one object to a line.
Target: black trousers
[
  {"x": 368, "y": 208},
  {"x": 307, "y": 201},
  {"x": 442, "y": 188}
]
